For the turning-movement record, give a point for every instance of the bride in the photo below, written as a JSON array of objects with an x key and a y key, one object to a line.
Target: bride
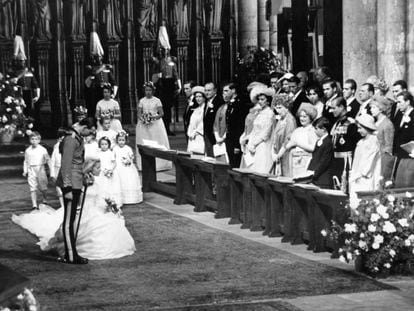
[{"x": 102, "y": 234}]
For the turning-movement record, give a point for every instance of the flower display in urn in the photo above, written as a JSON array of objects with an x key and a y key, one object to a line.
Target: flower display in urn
[{"x": 13, "y": 122}]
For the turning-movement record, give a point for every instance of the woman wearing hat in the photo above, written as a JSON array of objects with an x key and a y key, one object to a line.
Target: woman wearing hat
[
  {"x": 366, "y": 167},
  {"x": 385, "y": 135},
  {"x": 302, "y": 141},
  {"x": 257, "y": 156},
  {"x": 195, "y": 131},
  {"x": 248, "y": 122},
  {"x": 150, "y": 125},
  {"x": 285, "y": 125}
]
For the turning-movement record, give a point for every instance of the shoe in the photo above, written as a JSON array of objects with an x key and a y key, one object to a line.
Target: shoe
[
  {"x": 35, "y": 208},
  {"x": 78, "y": 261}
]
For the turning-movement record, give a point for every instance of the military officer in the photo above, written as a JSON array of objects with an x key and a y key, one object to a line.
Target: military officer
[
  {"x": 344, "y": 137},
  {"x": 70, "y": 180}
]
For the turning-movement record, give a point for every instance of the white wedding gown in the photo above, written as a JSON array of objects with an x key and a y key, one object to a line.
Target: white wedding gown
[{"x": 102, "y": 234}]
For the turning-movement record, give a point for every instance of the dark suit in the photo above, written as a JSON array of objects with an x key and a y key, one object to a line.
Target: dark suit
[
  {"x": 301, "y": 98},
  {"x": 353, "y": 109},
  {"x": 404, "y": 133},
  {"x": 321, "y": 164},
  {"x": 208, "y": 124},
  {"x": 235, "y": 118}
]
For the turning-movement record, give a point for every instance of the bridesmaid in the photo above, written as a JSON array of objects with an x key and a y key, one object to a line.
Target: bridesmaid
[{"x": 108, "y": 107}]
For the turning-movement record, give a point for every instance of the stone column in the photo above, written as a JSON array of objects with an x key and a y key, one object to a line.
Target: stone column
[
  {"x": 359, "y": 39},
  {"x": 248, "y": 25},
  {"x": 45, "y": 110},
  {"x": 263, "y": 24},
  {"x": 410, "y": 45},
  {"x": 394, "y": 58},
  {"x": 273, "y": 33}
]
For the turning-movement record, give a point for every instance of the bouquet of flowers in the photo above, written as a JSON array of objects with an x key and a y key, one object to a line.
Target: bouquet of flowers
[
  {"x": 108, "y": 173},
  {"x": 147, "y": 118},
  {"x": 12, "y": 119},
  {"x": 25, "y": 301},
  {"x": 107, "y": 114},
  {"x": 380, "y": 232},
  {"x": 126, "y": 161},
  {"x": 112, "y": 207}
]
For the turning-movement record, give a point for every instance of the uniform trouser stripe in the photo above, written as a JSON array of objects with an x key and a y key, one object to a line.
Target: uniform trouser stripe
[{"x": 69, "y": 224}]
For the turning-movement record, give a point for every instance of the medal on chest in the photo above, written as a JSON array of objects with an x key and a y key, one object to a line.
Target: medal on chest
[{"x": 341, "y": 141}]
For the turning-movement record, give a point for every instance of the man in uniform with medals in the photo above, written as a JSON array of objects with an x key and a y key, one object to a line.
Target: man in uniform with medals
[
  {"x": 24, "y": 78},
  {"x": 344, "y": 137},
  {"x": 70, "y": 179},
  {"x": 100, "y": 75}
]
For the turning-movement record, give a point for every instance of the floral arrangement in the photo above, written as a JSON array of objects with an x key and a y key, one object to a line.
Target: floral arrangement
[
  {"x": 257, "y": 65},
  {"x": 112, "y": 207},
  {"x": 127, "y": 161},
  {"x": 147, "y": 118},
  {"x": 107, "y": 114},
  {"x": 12, "y": 119},
  {"x": 25, "y": 301},
  {"x": 380, "y": 232},
  {"x": 108, "y": 173}
]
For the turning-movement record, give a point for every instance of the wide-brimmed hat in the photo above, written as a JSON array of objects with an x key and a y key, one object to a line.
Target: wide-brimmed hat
[
  {"x": 367, "y": 121},
  {"x": 261, "y": 90},
  {"x": 198, "y": 89},
  {"x": 286, "y": 76},
  {"x": 254, "y": 84}
]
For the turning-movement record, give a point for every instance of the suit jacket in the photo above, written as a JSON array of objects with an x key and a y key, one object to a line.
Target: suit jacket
[
  {"x": 209, "y": 118},
  {"x": 404, "y": 133},
  {"x": 301, "y": 98},
  {"x": 321, "y": 163},
  {"x": 235, "y": 117},
  {"x": 353, "y": 109}
]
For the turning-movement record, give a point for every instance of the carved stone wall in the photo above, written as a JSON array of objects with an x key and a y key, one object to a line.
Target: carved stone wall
[{"x": 56, "y": 37}]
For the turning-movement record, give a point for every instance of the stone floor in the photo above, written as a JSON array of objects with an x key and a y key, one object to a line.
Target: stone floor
[{"x": 401, "y": 299}]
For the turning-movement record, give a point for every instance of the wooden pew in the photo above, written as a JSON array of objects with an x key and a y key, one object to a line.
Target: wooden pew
[
  {"x": 259, "y": 192},
  {"x": 301, "y": 222},
  {"x": 195, "y": 179},
  {"x": 241, "y": 197},
  {"x": 149, "y": 172},
  {"x": 329, "y": 205},
  {"x": 277, "y": 216}
]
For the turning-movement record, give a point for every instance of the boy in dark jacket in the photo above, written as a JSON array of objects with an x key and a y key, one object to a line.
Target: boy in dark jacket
[{"x": 322, "y": 156}]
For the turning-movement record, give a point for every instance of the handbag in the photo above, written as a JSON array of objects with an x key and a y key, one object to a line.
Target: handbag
[{"x": 196, "y": 145}]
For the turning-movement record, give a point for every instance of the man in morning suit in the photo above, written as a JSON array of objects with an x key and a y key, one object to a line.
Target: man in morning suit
[
  {"x": 298, "y": 96},
  {"x": 191, "y": 105},
  {"x": 70, "y": 180},
  {"x": 210, "y": 109},
  {"x": 235, "y": 117},
  {"x": 330, "y": 91},
  {"x": 352, "y": 104},
  {"x": 323, "y": 155},
  {"x": 404, "y": 133}
]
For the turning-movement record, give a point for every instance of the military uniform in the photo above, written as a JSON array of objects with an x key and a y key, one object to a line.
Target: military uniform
[
  {"x": 344, "y": 137},
  {"x": 27, "y": 83},
  {"x": 70, "y": 179},
  {"x": 99, "y": 77}
]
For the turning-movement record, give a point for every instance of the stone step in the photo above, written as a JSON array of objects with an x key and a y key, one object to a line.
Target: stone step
[
  {"x": 7, "y": 171},
  {"x": 11, "y": 158},
  {"x": 13, "y": 147}
]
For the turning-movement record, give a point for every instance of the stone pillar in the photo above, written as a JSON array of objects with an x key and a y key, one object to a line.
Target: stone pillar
[
  {"x": 359, "y": 39},
  {"x": 263, "y": 24},
  {"x": 410, "y": 45},
  {"x": 248, "y": 25},
  {"x": 148, "y": 53},
  {"x": 129, "y": 105},
  {"x": 182, "y": 59},
  {"x": 199, "y": 43},
  {"x": 78, "y": 78},
  {"x": 42, "y": 68},
  {"x": 273, "y": 32},
  {"x": 394, "y": 58}
]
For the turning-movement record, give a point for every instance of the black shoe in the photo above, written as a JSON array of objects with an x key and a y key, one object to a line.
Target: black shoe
[
  {"x": 78, "y": 261},
  {"x": 35, "y": 208}
]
